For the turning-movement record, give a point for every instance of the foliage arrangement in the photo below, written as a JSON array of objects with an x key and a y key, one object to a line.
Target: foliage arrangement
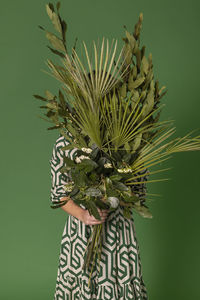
[{"x": 109, "y": 110}]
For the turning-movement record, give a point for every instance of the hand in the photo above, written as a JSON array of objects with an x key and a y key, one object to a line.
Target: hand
[{"x": 91, "y": 220}]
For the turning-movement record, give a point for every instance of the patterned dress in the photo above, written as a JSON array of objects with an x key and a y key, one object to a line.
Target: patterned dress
[{"x": 120, "y": 273}]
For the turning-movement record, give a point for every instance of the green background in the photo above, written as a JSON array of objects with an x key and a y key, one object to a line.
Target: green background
[{"x": 30, "y": 230}]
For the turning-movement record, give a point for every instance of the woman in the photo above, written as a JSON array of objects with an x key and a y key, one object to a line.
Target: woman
[{"x": 120, "y": 274}]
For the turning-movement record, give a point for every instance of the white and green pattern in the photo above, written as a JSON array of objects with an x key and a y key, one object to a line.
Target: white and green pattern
[{"x": 120, "y": 274}]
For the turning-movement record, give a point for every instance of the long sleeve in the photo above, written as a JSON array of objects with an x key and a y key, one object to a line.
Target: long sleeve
[{"x": 58, "y": 179}]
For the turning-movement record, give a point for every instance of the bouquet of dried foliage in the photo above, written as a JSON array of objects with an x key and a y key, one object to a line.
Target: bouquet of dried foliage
[{"x": 109, "y": 110}]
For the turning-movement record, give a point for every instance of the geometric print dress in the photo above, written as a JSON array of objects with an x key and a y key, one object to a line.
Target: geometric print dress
[{"x": 120, "y": 274}]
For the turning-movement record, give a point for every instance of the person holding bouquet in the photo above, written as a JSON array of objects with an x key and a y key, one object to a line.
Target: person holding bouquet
[
  {"x": 120, "y": 273},
  {"x": 107, "y": 114}
]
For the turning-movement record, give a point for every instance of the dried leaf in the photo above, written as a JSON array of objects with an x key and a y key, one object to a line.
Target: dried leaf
[
  {"x": 137, "y": 53},
  {"x": 51, "y": 6},
  {"x": 138, "y": 26},
  {"x": 134, "y": 72},
  {"x": 41, "y": 27},
  {"x": 148, "y": 105},
  {"x": 40, "y": 97},
  {"x": 133, "y": 84},
  {"x": 50, "y": 114},
  {"x": 49, "y": 11},
  {"x": 143, "y": 211},
  {"x": 136, "y": 143},
  {"x": 64, "y": 29},
  {"x": 52, "y": 105},
  {"x": 162, "y": 88},
  {"x": 134, "y": 98},
  {"x": 62, "y": 99},
  {"x": 145, "y": 65},
  {"x": 58, "y": 5},
  {"x": 130, "y": 81},
  {"x": 56, "y": 22},
  {"x": 138, "y": 82},
  {"x": 55, "y": 41},
  {"x": 122, "y": 90},
  {"x": 56, "y": 52},
  {"x": 150, "y": 60},
  {"x": 131, "y": 39},
  {"x": 127, "y": 52},
  {"x": 54, "y": 127},
  {"x": 49, "y": 95},
  {"x": 127, "y": 212}
]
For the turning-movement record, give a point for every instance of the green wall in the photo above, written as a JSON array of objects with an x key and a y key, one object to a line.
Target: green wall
[{"x": 31, "y": 230}]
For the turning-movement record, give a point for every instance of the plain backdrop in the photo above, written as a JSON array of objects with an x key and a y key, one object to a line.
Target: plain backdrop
[{"x": 30, "y": 230}]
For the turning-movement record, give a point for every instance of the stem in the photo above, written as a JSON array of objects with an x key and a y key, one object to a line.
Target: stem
[
  {"x": 100, "y": 248},
  {"x": 98, "y": 229}
]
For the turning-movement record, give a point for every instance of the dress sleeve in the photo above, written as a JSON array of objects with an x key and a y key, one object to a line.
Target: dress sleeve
[
  {"x": 140, "y": 190},
  {"x": 58, "y": 179}
]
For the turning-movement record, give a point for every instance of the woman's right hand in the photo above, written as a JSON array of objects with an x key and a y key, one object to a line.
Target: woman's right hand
[{"x": 91, "y": 220}]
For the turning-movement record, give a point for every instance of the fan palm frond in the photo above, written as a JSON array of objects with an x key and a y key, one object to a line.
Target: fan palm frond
[
  {"x": 102, "y": 77},
  {"x": 154, "y": 153},
  {"x": 87, "y": 88},
  {"x": 122, "y": 119}
]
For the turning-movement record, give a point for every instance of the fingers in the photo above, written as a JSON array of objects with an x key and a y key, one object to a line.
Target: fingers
[
  {"x": 103, "y": 214},
  {"x": 103, "y": 211},
  {"x": 91, "y": 220}
]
